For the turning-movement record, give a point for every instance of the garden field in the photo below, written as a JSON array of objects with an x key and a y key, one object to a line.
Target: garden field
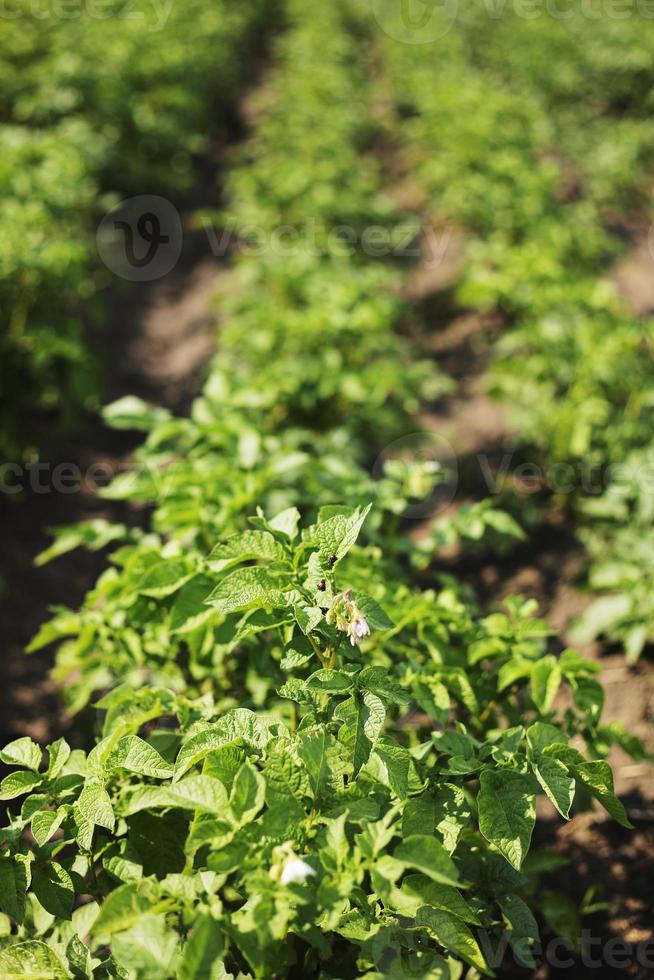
[{"x": 327, "y": 490}]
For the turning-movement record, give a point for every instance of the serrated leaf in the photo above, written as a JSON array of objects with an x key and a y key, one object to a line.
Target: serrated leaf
[
  {"x": 507, "y": 812},
  {"x": 247, "y": 795},
  {"x": 18, "y": 783},
  {"x": 363, "y": 718},
  {"x": 22, "y": 752},
  {"x": 426, "y": 854},
  {"x": 545, "y": 682},
  {"x": 245, "y": 546},
  {"x": 245, "y": 588},
  {"x": 452, "y": 933},
  {"x": 32, "y": 958},
  {"x": 202, "y": 952},
  {"x": 45, "y": 823},
  {"x": 135, "y": 755},
  {"x": 53, "y": 887},
  {"x": 339, "y": 533},
  {"x": 164, "y": 577},
  {"x": 147, "y": 949},
  {"x": 202, "y": 793},
  {"x": 13, "y": 887}
]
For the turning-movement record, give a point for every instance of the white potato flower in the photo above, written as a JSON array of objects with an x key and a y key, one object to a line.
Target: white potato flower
[
  {"x": 348, "y": 618},
  {"x": 295, "y": 869}
]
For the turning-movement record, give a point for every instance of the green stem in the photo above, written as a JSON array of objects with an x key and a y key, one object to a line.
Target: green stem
[{"x": 318, "y": 652}]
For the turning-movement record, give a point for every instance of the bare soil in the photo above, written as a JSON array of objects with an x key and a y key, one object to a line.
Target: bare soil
[{"x": 156, "y": 344}]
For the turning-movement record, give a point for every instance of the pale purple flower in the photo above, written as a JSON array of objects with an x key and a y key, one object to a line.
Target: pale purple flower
[
  {"x": 347, "y": 617},
  {"x": 357, "y": 629}
]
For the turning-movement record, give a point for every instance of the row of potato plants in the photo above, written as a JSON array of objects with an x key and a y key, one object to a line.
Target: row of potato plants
[
  {"x": 309, "y": 762},
  {"x": 542, "y": 169},
  {"x": 95, "y": 104}
]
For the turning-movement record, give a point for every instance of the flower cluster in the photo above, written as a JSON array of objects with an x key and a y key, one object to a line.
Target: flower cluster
[{"x": 347, "y": 617}]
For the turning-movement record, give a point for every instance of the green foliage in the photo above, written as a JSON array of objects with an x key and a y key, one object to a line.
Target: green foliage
[
  {"x": 313, "y": 757},
  {"x": 295, "y": 835},
  {"x": 94, "y": 106},
  {"x": 535, "y": 165}
]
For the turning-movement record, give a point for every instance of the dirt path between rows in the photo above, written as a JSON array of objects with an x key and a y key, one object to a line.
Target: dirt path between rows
[{"x": 156, "y": 344}]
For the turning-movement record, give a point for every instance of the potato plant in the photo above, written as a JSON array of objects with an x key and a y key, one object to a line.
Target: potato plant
[
  {"x": 335, "y": 830},
  {"x": 315, "y": 756},
  {"x": 536, "y": 179},
  {"x": 94, "y": 107}
]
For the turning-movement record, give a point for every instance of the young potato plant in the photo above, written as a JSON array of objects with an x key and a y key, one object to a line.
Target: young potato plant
[
  {"x": 377, "y": 808},
  {"x": 133, "y": 625},
  {"x": 496, "y": 146},
  {"x": 620, "y": 540},
  {"x": 94, "y": 109},
  {"x": 292, "y": 418},
  {"x": 307, "y": 765},
  {"x": 318, "y": 301}
]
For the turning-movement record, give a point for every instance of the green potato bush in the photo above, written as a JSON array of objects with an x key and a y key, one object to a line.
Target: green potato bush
[
  {"x": 315, "y": 756},
  {"x": 331, "y": 830},
  {"x": 537, "y": 176},
  {"x": 93, "y": 108}
]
